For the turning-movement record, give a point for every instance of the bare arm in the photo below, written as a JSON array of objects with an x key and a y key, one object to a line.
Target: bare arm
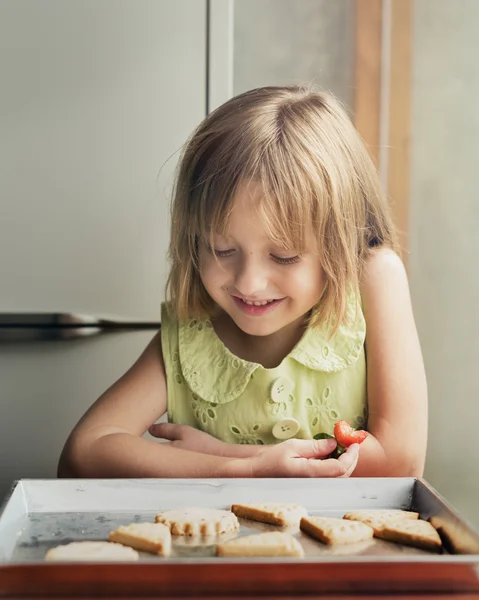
[
  {"x": 396, "y": 381},
  {"x": 188, "y": 438},
  {"x": 107, "y": 441}
]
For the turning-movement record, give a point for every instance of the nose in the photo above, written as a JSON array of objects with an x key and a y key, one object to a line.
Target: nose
[{"x": 251, "y": 277}]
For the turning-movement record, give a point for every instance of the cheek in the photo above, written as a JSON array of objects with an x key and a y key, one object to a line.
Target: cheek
[
  {"x": 307, "y": 282},
  {"x": 211, "y": 272}
]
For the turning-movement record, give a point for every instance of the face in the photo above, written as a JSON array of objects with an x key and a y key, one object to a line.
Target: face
[{"x": 262, "y": 286}]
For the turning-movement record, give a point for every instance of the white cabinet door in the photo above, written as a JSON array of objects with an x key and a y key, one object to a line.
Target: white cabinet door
[{"x": 97, "y": 98}]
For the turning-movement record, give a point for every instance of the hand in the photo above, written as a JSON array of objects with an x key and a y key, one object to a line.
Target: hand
[
  {"x": 187, "y": 438},
  {"x": 304, "y": 458}
]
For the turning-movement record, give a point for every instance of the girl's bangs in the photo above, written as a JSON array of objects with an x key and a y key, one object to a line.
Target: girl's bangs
[
  {"x": 296, "y": 194},
  {"x": 283, "y": 220},
  {"x": 286, "y": 220},
  {"x": 293, "y": 206}
]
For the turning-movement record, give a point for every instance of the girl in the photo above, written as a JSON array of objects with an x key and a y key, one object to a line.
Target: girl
[{"x": 288, "y": 310}]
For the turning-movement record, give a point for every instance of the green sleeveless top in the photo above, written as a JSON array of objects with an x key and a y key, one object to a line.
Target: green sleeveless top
[{"x": 321, "y": 381}]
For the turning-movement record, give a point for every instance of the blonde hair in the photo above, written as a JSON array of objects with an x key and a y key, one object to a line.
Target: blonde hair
[{"x": 314, "y": 169}]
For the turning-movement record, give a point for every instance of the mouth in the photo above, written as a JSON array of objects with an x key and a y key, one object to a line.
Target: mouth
[
  {"x": 256, "y": 302},
  {"x": 256, "y": 307}
]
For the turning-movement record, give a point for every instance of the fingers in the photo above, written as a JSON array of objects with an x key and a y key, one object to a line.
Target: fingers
[
  {"x": 312, "y": 448},
  {"x": 350, "y": 457},
  {"x": 167, "y": 431},
  {"x": 331, "y": 467}
]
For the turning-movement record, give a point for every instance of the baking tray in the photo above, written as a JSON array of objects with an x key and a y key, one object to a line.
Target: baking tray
[{"x": 40, "y": 514}]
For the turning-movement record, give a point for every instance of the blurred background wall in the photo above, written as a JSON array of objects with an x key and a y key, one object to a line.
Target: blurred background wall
[
  {"x": 283, "y": 42},
  {"x": 444, "y": 240}
]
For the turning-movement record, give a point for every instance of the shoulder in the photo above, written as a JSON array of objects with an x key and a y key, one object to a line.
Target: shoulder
[
  {"x": 384, "y": 281},
  {"x": 386, "y": 297},
  {"x": 385, "y": 292},
  {"x": 383, "y": 268}
]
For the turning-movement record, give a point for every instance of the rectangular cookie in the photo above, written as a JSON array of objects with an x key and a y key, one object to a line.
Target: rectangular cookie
[
  {"x": 330, "y": 530},
  {"x": 274, "y": 513},
  {"x": 149, "y": 537},
  {"x": 271, "y": 543}
]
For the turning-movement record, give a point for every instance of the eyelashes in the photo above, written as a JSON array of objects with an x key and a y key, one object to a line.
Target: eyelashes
[
  {"x": 221, "y": 253},
  {"x": 290, "y": 260},
  {"x": 286, "y": 261}
]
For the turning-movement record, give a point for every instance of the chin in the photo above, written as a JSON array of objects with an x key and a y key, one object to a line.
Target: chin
[{"x": 258, "y": 328}]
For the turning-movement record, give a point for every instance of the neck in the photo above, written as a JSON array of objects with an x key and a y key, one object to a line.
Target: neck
[{"x": 268, "y": 350}]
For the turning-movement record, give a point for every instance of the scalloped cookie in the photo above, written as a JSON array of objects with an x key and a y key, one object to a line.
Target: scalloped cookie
[{"x": 198, "y": 521}]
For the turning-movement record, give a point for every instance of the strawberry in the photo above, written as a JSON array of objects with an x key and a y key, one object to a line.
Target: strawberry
[{"x": 345, "y": 435}]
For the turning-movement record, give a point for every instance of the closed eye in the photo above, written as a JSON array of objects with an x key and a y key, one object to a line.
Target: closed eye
[
  {"x": 290, "y": 260},
  {"x": 222, "y": 253},
  {"x": 285, "y": 261}
]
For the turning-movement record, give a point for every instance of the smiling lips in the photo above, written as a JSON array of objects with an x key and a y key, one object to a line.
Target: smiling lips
[
  {"x": 257, "y": 307},
  {"x": 256, "y": 302}
]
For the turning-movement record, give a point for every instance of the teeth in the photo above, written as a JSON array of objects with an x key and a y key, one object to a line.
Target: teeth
[{"x": 264, "y": 303}]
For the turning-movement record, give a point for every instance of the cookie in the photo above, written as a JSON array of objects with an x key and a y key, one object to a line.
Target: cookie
[
  {"x": 91, "y": 551},
  {"x": 274, "y": 513},
  {"x": 149, "y": 537},
  {"x": 198, "y": 521},
  {"x": 377, "y": 519},
  {"x": 203, "y": 541},
  {"x": 419, "y": 534},
  {"x": 271, "y": 543},
  {"x": 457, "y": 538},
  {"x": 330, "y": 530}
]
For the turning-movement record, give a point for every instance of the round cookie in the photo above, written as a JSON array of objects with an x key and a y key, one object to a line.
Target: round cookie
[
  {"x": 198, "y": 521},
  {"x": 91, "y": 551}
]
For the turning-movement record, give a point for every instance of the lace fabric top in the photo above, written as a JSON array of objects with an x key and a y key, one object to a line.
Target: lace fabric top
[{"x": 319, "y": 382}]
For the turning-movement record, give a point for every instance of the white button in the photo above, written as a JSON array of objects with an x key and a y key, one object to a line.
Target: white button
[
  {"x": 285, "y": 429},
  {"x": 281, "y": 389}
]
